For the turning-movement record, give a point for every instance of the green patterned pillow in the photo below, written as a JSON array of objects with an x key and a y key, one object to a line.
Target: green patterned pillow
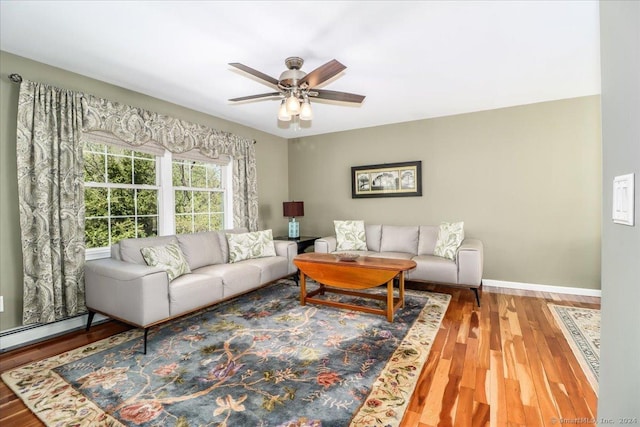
[
  {"x": 256, "y": 244},
  {"x": 350, "y": 236},
  {"x": 168, "y": 257},
  {"x": 450, "y": 238}
]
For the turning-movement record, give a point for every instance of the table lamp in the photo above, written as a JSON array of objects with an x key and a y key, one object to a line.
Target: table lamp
[{"x": 292, "y": 210}]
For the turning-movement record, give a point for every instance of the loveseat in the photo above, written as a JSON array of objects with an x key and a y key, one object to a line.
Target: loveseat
[
  {"x": 126, "y": 288},
  {"x": 418, "y": 244}
]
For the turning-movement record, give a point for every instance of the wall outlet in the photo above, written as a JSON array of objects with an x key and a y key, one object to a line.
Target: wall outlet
[{"x": 1, "y": 304}]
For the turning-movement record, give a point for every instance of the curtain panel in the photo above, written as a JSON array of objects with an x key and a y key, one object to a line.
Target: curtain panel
[
  {"x": 51, "y": 202},
  {"x": 51, "y": 124}
]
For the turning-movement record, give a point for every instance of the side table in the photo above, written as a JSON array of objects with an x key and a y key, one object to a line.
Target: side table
[{"x": 303, "y": 242}]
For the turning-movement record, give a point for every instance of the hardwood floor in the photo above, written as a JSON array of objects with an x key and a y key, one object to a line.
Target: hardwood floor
[{"x": 503, "y": 364}]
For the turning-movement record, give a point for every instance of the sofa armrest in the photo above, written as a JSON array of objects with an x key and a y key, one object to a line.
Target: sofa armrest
[
  {"x": 325, "y": 245},
  {"x": 470, "y": 262},
  {"x": 288, "y": 250},
  {"x": 137, "y": 294}
]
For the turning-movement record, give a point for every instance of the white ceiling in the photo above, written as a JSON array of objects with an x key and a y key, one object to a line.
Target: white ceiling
[{"x": 413, "y": 60}]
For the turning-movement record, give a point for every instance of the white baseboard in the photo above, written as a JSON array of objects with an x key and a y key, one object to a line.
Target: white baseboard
[
  {"x": 21, "y": 336},
  {"x": 543, "y": 288}
]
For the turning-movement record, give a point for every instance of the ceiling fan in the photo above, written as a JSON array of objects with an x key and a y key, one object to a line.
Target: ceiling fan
[{"x": 295, "y": 87}]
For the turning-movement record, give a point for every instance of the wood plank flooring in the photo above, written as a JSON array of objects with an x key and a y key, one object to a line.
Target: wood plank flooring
[{"x": 505, "y": 363}]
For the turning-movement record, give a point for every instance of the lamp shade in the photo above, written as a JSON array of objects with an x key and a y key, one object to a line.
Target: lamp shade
[
  {"x": 282, "y": 112},
  {"x": 293, "y": 209},
  {"x": 293, "y": 105},
  {"x": 305, "y": 111}
]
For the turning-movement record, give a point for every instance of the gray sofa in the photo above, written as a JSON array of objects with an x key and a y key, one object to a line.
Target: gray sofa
[
  {"x": 124, "y": 287},
  {"x": 417, "y": 243}
]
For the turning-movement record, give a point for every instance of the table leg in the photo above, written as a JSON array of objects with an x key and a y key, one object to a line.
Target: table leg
[
  {"x": 401, "y": 287},
  {"x": 303, "y": 288},
  {"x": 390, "y": 300}
]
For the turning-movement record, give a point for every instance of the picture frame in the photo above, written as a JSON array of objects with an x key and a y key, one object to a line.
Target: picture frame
[{"x": 402, "y": 179}]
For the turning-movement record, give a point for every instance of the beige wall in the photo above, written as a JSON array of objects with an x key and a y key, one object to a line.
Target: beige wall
[
  {"x": 525, "y": 180},
  {"x": 619, "y": 391},
  {"x": 271, "y": 152}
]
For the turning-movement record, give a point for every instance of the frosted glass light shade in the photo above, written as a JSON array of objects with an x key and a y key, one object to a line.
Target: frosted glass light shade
[
  {"x": 305, "y": 111},
  {"x": 282, "y": 112},
  {"x": 293, "y": 105}
]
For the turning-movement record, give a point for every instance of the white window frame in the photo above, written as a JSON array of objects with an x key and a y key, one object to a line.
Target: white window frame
[
  {"x": 166, "y": 199},
  {"x": 226, "y": 187}
]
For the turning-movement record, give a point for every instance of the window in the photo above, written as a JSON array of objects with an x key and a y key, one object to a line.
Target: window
[
  {"x": 199, "y": 198},
  {"x": 121, "y": 194},
  {"x": 131, "y": 193}
]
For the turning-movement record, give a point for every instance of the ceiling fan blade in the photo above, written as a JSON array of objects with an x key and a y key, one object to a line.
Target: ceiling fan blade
[
  {"x": 332, "y": 95},
  {"x": 260, "y": 75},
  {"x": 322, "y": 73},
  {"x": 262, "y": 95}
]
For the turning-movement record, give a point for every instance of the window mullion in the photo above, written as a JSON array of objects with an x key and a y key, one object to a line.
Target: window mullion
[
  {"x": 227, "y": 180},
  {"x": 166, "y": 203}
]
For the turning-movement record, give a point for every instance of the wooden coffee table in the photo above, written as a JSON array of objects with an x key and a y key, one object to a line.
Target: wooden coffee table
[{"x": 349, "y": 277}]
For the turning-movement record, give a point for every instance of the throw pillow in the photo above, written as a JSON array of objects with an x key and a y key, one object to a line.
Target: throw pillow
[
  {"x": 168, "y": 257},
  {"x": 450, "y": 238},
  {"x": 350, "y": 236},
  {"x": 255, "y": 244}
]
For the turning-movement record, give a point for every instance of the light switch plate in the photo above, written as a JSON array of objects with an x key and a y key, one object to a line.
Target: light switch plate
[{"x": 623, "y": 199}]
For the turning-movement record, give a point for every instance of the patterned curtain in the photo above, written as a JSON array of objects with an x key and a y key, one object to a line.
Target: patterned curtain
[
  {"x": 137, "y": 127},
  {"x": 51, "y": 199},
  {"x": 245, "y": 187}
]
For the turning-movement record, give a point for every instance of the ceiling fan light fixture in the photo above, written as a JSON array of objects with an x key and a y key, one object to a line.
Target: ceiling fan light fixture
[
  {"x": 283, "y": 114},
  {"x": 305, "y": 110},
  {"x": 293, "y": 105},
  {"x": 295, "y": 86}
]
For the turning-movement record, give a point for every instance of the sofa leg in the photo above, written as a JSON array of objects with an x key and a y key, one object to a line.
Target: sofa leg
[
  {"x": 475, "y": 291},
  {"x": 90, "y": 319},
  {"x": 146, "y": 331}
]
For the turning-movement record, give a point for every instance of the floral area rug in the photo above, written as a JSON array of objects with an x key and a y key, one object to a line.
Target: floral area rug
[
  {"x": 581, "y": 328},
  {"x": 261, "y": 359}
]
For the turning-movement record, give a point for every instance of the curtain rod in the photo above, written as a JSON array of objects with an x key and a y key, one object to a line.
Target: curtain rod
[{"x": 17, "y": 78}]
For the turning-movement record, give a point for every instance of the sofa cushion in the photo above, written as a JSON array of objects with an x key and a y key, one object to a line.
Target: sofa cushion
[
  {"x": 350, "y": 235},
  {"x": 115, "y": 251},
  {"x": 435, "y": 269},
  {"x": 201, "y": 249},
  {"x": 256, "y": 244},
  {"x": 193, "y": 291},
  {"x": 236, "y": 278},
  {"x": 168, "y": 257},
  {"x": 450, "y": 237},
  {"x": 373, "y": 234},
  {"x": 399, "y": 238},
  {"x": 427, "y": 240},
  {"x": 130, "y": 248},
  {"x": 271, "y": 268}
]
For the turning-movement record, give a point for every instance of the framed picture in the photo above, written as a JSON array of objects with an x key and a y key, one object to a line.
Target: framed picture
[{"x": 387, "y": 180}]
